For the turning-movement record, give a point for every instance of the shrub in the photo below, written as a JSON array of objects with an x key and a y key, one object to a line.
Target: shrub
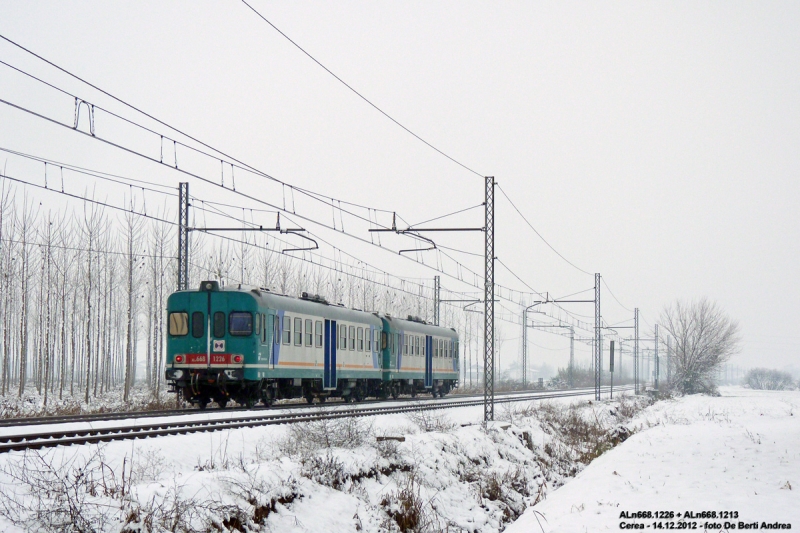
[{"x": 768, "y": 379}]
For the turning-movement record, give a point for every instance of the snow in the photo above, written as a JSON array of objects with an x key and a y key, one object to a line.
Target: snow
[{"x": 737, "y": 452}]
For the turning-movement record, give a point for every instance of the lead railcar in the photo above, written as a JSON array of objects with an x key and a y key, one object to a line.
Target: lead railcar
[{"x": 250, "y": 345}]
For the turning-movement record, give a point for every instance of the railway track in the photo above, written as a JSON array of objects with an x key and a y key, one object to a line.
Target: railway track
[
  {"x": 96, "y": 417},
  {"x": 129, "y": 427}
]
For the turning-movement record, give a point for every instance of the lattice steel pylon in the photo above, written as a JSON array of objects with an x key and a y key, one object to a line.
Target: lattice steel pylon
[
  {"x": 598, "y": 363},
  {"x": 437, "y": 288},
  {"x": 488, "y": 299},
  {"x": 524, "y": 348},
  {"x": 636, "y": 349},
  {"x": 183, "y": 236}
]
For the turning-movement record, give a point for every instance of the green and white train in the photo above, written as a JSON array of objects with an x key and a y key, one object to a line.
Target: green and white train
[{"x": 250, "y": 345}]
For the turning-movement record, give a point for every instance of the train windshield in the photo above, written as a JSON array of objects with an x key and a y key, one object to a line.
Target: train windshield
[{"x": 241, "y": 323}]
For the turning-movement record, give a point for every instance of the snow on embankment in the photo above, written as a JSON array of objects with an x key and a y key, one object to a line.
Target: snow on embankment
[
  {"x": 422, "y": 472},
  {"x": 737, "y": 454}
]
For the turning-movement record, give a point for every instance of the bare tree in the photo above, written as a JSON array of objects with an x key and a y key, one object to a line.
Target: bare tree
[{"x": 705, "y": 337}]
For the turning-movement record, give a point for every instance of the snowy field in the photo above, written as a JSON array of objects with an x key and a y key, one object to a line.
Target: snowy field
[
  {"x": 437, "y": 471},
  {"x": 738, "y": 453}
]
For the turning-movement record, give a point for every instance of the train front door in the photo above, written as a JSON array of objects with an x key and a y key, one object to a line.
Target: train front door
[
  {"x": 428, "y": 361},
  {"x": 329, "y": 370}
]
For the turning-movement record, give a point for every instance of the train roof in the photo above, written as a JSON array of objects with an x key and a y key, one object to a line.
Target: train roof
[
  {"x": 419, "y": 327},
  {"x": 307, "y": 305}
]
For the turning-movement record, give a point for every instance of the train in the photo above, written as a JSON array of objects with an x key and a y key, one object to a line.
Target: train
[{"x": 250, "y": 345}]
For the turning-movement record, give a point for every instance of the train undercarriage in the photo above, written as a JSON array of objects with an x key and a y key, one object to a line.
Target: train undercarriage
[{"x": 203, "y": 386}]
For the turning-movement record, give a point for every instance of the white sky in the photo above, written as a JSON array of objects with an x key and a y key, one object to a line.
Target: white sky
[{"x": 655, "y": 143}]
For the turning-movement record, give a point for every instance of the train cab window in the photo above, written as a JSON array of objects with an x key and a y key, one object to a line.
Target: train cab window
[
  {"x": 179, "y": 324},
  {"x": 352, "y": 338},
  {"x": 309, "y": 332},
  {"x": 240, "y": 323},
  {"x": 298, "y": 331},
  {"x": 318, "y": 333},
  {"x": 360, "y": 337},
  {"x": 384, "y": 341},
  {"x": 219, "y": 324},
  {"x": 198, "y": 324},
  {"x": 287, "y": 329},
  {"x": 342, "y": 337}
]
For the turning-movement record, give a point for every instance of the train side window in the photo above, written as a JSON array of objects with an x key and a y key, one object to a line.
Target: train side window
[
  {"x": 377, "y": 340},
  {"x": 276, "y": 329},
  {"x": 384, "y": 341},
  {"x": 198, "y": 324},
  {"x": 287, "y": 329},
  {"x": 179, "y": 324},
  {"x": 240, "y": 323},
  {"x": 219, "y": 324},
  {"x": 263, "y": 329},
  {"x": 423, "y": 344},
  {"x": 298, "y": 331},
  {"x": 318, "y": 332},
  {"x": 352, "y": 338},
  {"x": 309, "y": 333},
  {"x": 343, "y": 337},
  {"x": 367, "y": 340},
  {"x": 405, "y": 344},
  {"x": 360, "y": 337}
]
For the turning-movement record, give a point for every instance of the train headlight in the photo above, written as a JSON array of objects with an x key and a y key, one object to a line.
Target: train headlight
[
  {"x": 179, "y": 359},
  {"x": 237, "y": 358}
]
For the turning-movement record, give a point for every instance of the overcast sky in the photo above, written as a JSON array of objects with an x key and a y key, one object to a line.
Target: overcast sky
[{"x": 657, "y": 143}]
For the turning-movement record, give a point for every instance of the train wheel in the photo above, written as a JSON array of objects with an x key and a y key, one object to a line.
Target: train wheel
[
  {"x": 222, "y": 403},
  {"x": 413, "y": 392},
  {"x": 248, "y": 402},
  {"x": 309, "y": 398},
  {"x": 322, "y": 399},
  {"x": 202, "y": 404}
]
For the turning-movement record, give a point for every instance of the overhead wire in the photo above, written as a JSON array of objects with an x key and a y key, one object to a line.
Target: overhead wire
[
  {"x": 381, "y": 111},
  {"x": 248, "y": 167},
  {"x": 540, "y": 235}
]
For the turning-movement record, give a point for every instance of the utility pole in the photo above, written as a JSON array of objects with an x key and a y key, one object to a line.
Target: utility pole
[
  {"x": 571, "y": 355},
  {"x": 183, "y": 236},
  {"x": 488, "y": 299},
  {"x": 598, "y": 341},
  {"x": 669, "y": 361},
  {"x": 437, "y": 287},
  {"x": 656, "y": 355},
  {"x": 636, "y": 350}
]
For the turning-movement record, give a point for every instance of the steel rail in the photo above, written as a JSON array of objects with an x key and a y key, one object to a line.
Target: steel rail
[
  {"x": 124, "y": 415},
  {"x": 46, "y": 439}
]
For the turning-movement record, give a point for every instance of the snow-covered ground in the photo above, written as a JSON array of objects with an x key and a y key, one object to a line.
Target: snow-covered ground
[
  {"x": 437, "y": 472},
  {"x": 738, "y": 453}
]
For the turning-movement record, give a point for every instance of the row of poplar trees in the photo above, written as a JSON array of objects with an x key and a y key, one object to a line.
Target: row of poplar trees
[{"x": 83, "y": 293}]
